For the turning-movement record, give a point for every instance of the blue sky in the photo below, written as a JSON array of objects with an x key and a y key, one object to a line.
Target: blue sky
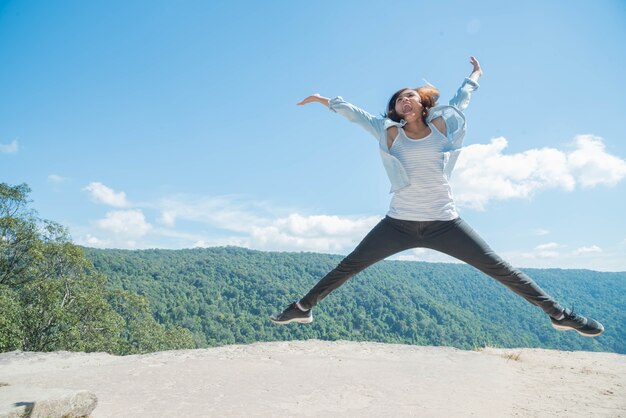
[{"x": 173, "y": 124}]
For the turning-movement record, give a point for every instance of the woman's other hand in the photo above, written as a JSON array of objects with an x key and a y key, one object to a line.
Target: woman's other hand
[{"x": 314, "y": 98}]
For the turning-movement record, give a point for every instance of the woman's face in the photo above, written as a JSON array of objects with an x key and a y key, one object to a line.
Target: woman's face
[{"x": 409, "y": 105}]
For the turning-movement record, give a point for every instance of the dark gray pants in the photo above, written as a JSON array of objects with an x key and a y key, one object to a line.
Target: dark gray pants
[{"x": 455, "y": 238}]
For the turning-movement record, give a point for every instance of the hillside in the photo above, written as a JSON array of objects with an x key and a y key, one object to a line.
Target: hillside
[{"x": 224, "y": 296}]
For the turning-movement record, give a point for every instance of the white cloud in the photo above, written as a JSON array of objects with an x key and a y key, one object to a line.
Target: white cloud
[
  {"x": 55, "y": 178},
  {"x": 168, "y": 218},
  {"x": 425, "y": 254},
  {"x": 125, "y": 224},
  {"x": 553, "y": 250},
  {"x": 540, "y": 232},
  {"x": 312, "y": 233},
  {"x": 548, "y": 246},
  {"x": 11, "y": 148},
  {"x": 103, "y": 194},
  {"x": 225, "y": 212},
  {"x": 257, "y": 225},
  {"x": 587, "y": 250},
  {"x": 484, "y": 173},
  {"x": 91, "y": 241},
  {"x": 549, "y": 250},
  {"x": 591, "y": 164},
  {"x": 603, "y": 260}
]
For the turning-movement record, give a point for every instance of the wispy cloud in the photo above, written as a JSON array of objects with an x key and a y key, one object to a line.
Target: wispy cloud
[
  {"x": 102, "y": 194},
  {"x": 549, "y": 250},
  {"x": 11, "y": 148},
  {"x": 258, "y": 225},
  {"x": 55, "y": 178},
  {"x": 540, "y": 232},
  {"x": 553, "y": 254},
  {"x": 226, "y": 212},
  {"x": 545, "y": 255},
  {"x": 484, "y": 173},
  {"x": 587, "y": 250}
]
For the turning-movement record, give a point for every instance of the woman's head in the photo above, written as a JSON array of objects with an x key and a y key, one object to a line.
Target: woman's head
[{"x": 407, "y": 101}]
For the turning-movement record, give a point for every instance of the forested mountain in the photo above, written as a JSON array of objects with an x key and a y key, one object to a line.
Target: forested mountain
[{"x": 225, "y": 295}]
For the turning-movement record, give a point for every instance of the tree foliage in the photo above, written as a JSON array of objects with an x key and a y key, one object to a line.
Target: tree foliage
[
  {"x": 51, "y": 297},
  {"x": 225, "y": 295}
]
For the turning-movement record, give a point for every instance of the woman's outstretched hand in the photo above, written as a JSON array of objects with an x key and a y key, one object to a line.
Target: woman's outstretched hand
[
  {"x": 314, "y": 98},
  {"x": 477, "y": 71}
]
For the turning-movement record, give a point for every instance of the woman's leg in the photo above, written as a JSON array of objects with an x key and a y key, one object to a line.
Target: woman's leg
[
  {"x": 389, "y": 237},
  {"x": 458, "y": 239}
]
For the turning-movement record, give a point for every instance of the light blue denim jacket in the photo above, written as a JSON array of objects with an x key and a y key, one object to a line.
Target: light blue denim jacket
[{"x": 377, "y": 126}]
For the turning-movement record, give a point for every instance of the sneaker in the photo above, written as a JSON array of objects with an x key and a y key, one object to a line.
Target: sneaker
[
  {"x": 293, "y": 314},
  {"x": 586, "y": 327}
]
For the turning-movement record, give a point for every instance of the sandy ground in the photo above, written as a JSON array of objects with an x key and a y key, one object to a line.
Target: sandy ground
[{"x": 335, "y": 379}]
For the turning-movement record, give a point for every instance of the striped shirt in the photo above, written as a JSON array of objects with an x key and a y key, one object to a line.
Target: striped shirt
[{"x": 428, "y": 197}]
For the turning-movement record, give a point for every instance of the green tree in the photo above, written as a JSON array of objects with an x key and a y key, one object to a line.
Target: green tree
[
  {"x": 10, "y": 320},
  {"x": 18, "y": 235},
  {"x": 52, "y": 298},
  {"x": 142, "y": 334},
  {"x": 64, "y": 303}
]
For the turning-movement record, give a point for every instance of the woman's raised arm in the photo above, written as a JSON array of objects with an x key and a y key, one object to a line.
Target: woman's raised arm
[
  {"x": 370, "y": 123},
  {"x": 477, "y": 71},
  {"x": 462, "y": 97}
]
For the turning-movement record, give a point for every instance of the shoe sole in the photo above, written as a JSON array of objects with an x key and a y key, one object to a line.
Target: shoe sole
[
  {"x": 298, "y": 320},
  {"x": 563, "y": 328}
]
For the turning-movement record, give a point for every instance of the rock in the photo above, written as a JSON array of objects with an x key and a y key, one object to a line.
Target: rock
[{"x": 32, "y": 402}]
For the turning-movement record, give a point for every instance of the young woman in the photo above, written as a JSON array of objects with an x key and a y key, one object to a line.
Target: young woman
[{"x": 419, "y": 143}]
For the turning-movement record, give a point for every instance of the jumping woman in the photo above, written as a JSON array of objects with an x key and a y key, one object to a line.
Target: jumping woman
[{"x": 419, "y": 144}]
